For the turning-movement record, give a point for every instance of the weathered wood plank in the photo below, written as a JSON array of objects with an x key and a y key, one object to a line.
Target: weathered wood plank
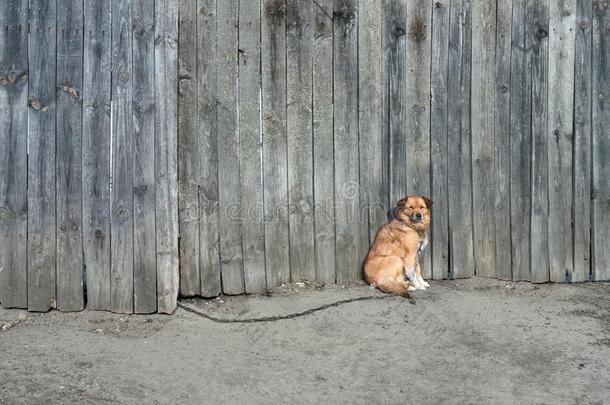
[
  {"x": 275, "y": 169},
  {"x": 144, "y": 251},
  {"x": 188, "y": 150},
  {"x": 502, "y": 143},
  {"x": 536, "y": 92},
  {"x": 121, "y": 290},
  {"x": 459, "y": 135},
  {"x": 13, "y": 154},
  {"x": 96, "y": 152},
  {"x": 373, "y": 180},
  {"x": 438, "y": 139},
  {"x": 520, "y": 127},
  {"x": 70, "y": 293},
  {"x": 483, "y": 137},
  {"x": 417, "y": 78},
  {"x": 601, "y": 140},
  {"x": 562, "y": 37},
  {"x": 347, "y": 187},
  {"x": 228, "y": 149},
  {"x": 166, "y": 153},
  {"x": 209, "y": 254},
  {"x": 395, "y": 15},
  {"x": 41, "y": 206},
  {"x": 323, "y": 153},
  {"x": 299, "y": 43},
  {"x": 582, "y": 142},
  {"x": 250, "y": 144}
]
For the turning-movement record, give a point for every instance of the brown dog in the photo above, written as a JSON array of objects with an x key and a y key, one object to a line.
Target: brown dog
[{"x": 392, "y": 264}]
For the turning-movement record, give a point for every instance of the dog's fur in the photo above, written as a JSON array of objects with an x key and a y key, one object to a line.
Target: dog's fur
[{"x": 392, "y": 264}]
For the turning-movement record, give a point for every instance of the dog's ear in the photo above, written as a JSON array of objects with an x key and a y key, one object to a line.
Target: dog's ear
[
  {"x": 428, "y": 202},
  {"x": 402, "y": 203}
]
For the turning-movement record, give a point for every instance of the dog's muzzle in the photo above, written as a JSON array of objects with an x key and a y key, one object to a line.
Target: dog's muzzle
[{"x": 417, "y": 217}]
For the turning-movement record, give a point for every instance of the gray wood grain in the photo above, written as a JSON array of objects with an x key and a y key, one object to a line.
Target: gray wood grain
[
  {"x": 438, "y": 139},
  {"x": 373, "y": 179},
  {"x": 144, "y": 251},
  {"x": 459, "y": 137},
  {"x": 520, "y": 146},
  {"x": 536, "y": 26},
  {"x": 70, "y": 293},
  {"x": 502, "y": 141},
  {"x": 417, "y": 86},
  {"x": 483, "y": 137},
  {"x": 13, "y": 154},
  {"x": 228, "y": 150},
  {"x": 395, "y": 14},
  {"x": 188, "y": 150},
  {"x": 96, "y": 152},
  {"x": 562, "y": 37},
  {"x": 121, "y": 290},
  {"x": 41, "y": 160},
  {"x": 323, "y": 153},
  {"x": 347, "y": 187},
  {"x": 250, "y": 148},
  {"x": 209, "y": 253},
  {"x": 582, "y": 142},
  {"x": 299, "y": 43},
  {"x": 275, "y": 169},
  {"x": 166, "y": 153},
  {"x": 601, "y": 142}
]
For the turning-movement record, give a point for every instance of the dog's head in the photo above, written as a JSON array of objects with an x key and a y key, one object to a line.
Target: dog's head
[{"x": 415, "y": 211}]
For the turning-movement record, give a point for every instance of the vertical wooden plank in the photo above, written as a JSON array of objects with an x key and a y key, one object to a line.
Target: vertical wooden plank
[
  {"x": 144, "y": 252},
  {"x": 188, "y": 150},
  {"x": 166, "y": 153},
  {"x": 483, "y": 116},
  {"x": 562, "y": 37},
  {"x": 459, "y": 137},
  {"x": 582, "y": 143},
  {"x": 250, "y": 148},
  {"x": 323, "y": 154},
  {"x": 228, "y": 150},
  {"x": 41, "y": 245},
  {"x": 417, "y": 77},
  {"x": 209, "y": 254},
  {"x": 299, "y": 42},
  {"x": 395, "y": 14},
  {"x": 601, "y": 141},
  {"x": 373, "y": 180},
  {"x": 520, "y": 148},
  {"x": 275, "y": 169},
  {"x": 502, "y": 143},
  {"x": 121, "y": 289},
  {"x": 70, "y": 294},
  {"x": 13, "y": 154},
  {"x": 536, "y": 29},
  {"x": 347, "y": 188},
  {"x": 438, "y": 139},
  {"x": 96, "y": 152}
]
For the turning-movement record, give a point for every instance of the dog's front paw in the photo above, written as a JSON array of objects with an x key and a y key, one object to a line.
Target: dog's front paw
[
  {"x": 412, "y": 288},
  {"x": 426, "y": 284}
]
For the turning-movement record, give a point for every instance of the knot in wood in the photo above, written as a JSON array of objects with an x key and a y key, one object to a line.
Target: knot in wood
[
  {"x": 99, "y": 234},
  {"x": 584, "y": 24},
  {"x": 4, "y": 214},
  {"x": 438, "y": 4},
  {"x": 504, "y": 88},
  {"x": 398, "y": 30},
  {"x": 542, "y": 33}
]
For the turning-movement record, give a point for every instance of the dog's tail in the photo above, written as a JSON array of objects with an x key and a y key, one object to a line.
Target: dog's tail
[{"x": 400, "y": 288}]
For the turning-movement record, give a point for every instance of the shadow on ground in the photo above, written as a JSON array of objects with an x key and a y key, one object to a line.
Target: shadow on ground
[{"x": 465, "y": 341}]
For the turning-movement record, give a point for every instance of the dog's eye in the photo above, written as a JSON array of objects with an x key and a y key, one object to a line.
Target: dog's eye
[{"x": 410, "y": 208}]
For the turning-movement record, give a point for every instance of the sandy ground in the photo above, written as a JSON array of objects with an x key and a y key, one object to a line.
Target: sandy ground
[{"x": 467, "y": 341}]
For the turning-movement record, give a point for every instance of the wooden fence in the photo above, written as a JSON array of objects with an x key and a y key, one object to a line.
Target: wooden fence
[{"x": 273, "y": 135}]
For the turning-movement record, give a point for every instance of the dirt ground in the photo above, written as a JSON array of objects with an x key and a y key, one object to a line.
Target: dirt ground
[{"x": 467, "y": 341}]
